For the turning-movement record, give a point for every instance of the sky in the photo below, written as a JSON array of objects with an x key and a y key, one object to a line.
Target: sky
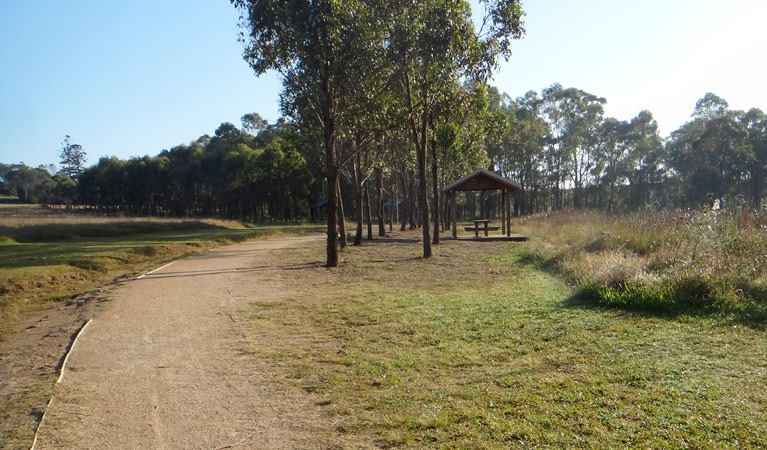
[{"x": 133, "y": 78}]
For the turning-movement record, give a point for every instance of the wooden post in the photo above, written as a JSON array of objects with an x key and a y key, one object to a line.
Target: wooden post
[
  {"x": 503, "y": 212},
  {"x": 453, "y": 213},
  {"x": 508, "y": 215}
]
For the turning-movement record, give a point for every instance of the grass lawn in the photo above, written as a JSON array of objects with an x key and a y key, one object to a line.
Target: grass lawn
[{"x": 476, "y": 349}]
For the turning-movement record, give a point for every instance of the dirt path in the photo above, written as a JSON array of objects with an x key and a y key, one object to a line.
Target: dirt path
[{"x": 162, "y": 365}]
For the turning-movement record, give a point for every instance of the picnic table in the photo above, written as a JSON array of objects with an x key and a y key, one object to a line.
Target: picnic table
[{"x": 481, "y": 224}]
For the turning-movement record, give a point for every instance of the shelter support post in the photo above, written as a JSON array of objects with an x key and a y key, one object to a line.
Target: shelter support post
[
  {"x": 508, "y": 215},
  {"x": 503, "y": 212},
  {"x": 453, "y": 214}
]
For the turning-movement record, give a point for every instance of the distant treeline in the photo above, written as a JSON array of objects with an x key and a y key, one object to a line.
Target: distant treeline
[
  {"x": 566, "y": 153},
  {"x": 557, "y": 144},
  {"x": 232, "y": 174}
]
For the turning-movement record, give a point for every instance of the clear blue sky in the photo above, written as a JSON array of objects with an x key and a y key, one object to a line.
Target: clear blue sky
[{"x": 133, "y": 78}]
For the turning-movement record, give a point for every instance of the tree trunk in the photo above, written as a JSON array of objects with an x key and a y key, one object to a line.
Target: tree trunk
[
  {"x": 435, "y": 189},
  {"x": 420, "y": 150},
  {"x": 411, "y": 201},
  {"x": 423, "y": 200},
  {"x": 368, "y": 214},
  {"x": 358, "y": 198},
  {"x": 394, "y": 212},
  {"x": 454, "y": 214},
  {"x": 379, "y": 189},
  {"x": 342, "y": 241},
  {"x": 756, "y": 187},
  {"x": 405, "y": 202},
  {"x": 329, "y": 138}
]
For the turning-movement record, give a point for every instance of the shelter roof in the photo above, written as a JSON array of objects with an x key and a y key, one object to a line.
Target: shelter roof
[
  {"x": 482, "y": 180},
  {"x": 319, "y": 204}
]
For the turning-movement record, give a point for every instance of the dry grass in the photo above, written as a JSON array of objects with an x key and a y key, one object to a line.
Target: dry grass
[{"x": 669, "y": 261}]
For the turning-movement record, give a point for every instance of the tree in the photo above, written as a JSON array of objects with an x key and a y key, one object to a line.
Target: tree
[
  {"x": 73, "y": 158},
  {"x": 253, "y": 123},
  {"x": 710, "y": 106},
  {"x": 645, "y": 154},
  {"x": 612, "y": 159},
  {"x": 756, "y": 123},
  {"x": 518, "y": 152},
  {"x": 321, "y": 49},
  {"x": 29, "y": 185},
  {"x": 435, "y": 45},
  {"x": 574, "y": 117},
  {"x": 712, "y": 153}
]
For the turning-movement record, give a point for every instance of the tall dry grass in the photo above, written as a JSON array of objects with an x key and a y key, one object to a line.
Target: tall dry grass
[{"x": 707, "y": 260}]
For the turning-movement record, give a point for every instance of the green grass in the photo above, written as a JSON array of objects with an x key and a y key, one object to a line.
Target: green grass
[
  {"x": 476, "y": 349},
  {"x": 45, "y": 260}
]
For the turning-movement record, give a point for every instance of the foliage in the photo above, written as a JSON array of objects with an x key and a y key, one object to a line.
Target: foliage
[{"x": 37, "y": 185}]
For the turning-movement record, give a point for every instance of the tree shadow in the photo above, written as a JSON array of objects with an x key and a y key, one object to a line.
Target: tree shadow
[
  {"x": 200, "y": 273},
  {"x": 389, "y": 240},
  {"x": 753, "y": 315}
]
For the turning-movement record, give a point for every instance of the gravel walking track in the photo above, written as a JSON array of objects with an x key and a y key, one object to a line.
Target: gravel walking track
[{"x": 162, "y": 365}]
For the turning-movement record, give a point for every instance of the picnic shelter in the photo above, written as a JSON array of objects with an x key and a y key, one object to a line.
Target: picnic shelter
[{"x": 484, "y": 180}]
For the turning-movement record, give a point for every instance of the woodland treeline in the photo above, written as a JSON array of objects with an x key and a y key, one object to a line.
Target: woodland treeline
[
  {"x": 389, "y": 99},
  {"x": 557, "y": 143}
]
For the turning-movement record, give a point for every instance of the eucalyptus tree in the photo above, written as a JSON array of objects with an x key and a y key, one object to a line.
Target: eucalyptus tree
[
  {"x": 573, "y": 117},
  {"x": 646, "y": 155},
  {"x": 756, "y": 123},
  {"x": 399, "y": 158},
  {"x": 322, "y": 49},
  {"x": 374, "y": 115},
  {"x": 436, "y": 45},
  {"x": 253, "y": 123},
  {"x": 458, "y": 130},
  {"x": 518, "y": 154},
  {"x": 612, "y": 165},
  {"x": 711, "y": 154}
]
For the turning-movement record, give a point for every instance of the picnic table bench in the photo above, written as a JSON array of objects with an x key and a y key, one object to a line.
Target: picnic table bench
[{"x": 484, "y": 226}]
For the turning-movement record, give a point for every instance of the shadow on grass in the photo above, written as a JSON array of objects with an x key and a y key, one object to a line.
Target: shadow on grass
[
  {"x": 389, "y": 240},
  {"x": 586, "y": 299},
  {"x": 200, "y": 273},
  {"x": 688, "y": 298},
  {"x": 67, "y": 231}
]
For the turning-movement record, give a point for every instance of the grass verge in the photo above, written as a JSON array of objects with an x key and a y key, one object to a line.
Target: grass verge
[
  {"x": 57, "y": 259},
  {"x": 475, "y": 349}
]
